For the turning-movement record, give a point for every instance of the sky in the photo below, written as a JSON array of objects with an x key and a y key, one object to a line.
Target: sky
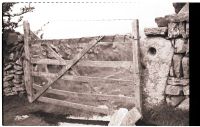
[{"x": 74, "y": 20}]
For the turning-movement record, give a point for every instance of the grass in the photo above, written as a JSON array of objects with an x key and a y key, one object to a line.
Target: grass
[{"x": 166, "y": 116}]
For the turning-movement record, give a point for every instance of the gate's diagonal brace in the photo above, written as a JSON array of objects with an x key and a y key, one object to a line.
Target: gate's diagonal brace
[{"x": 74, "y": 61}]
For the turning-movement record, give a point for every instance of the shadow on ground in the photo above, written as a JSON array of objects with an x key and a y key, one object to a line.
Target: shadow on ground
[{"x": 41, "y": 114}]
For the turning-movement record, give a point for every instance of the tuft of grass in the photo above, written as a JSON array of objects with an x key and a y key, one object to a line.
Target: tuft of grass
[{"x": 165, "y": 115}]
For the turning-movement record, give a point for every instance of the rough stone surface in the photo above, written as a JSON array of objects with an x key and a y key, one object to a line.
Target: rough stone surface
[
  {"x": 157, "y": 69},
  {"x": 173, "y": 30},
  {"x": 177, "y": 60},
  {"x": 117, "y": 117},
  {"x": 173, "y": 90},
  {"x": 131, "y": 117},
  {"x": 180, "y": 45},
  {"x": 182, "y": 29},
  {"x": 11, "y": 39},
  {"x": 9, "y": 66},
  {"x": 184, "y": 105},
  {"x": 171, "y": 71},
  {"x": 160, "y": 31},
  {"x": 174, "y": 100},
  {"x": 187, "y": 30},
  {"x": 161, "y": 22},
  {"x": 186, "y": 90},
  {"x": 185, "y": 65},
  {"x": 176, "y": 18},
  {"x": 185, "y": 9},
  {"x": 187, "y": 48},
  {"x": 177, "y": 81}
]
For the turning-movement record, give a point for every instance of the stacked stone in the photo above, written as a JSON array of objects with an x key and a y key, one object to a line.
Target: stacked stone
[
  {"x": 13, "y": 82},
  {"x": 176, "y": 29}
]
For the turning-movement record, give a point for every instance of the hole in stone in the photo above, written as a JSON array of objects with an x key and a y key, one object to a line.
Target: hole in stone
[{"x": 152, "y": 51}]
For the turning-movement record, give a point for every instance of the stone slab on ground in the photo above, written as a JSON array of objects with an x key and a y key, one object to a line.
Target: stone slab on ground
[
  {"x": 160, "y": 31},
  {"x": 173, "y": 90},
  {"x": 184, "y": 105},
  {"x": 117, "y": 117},
  {"x": 174, "y": 100},
  {"x": 131, "y": 117}
]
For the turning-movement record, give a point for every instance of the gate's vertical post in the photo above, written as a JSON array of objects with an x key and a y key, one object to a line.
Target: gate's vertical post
[
  {"x": 136, "y": 63},
  {"x": 27, "y": 64}
]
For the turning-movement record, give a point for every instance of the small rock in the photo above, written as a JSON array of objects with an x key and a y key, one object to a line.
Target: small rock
[
  {"x": 18, "y": 77},
  {"x": 11, "y": 56},
  {"x": 117, "y": 117},
  {"x": 177, "y": 61},
  {"x": 131, "y": 117},
  {"x": 11, "y": 72},
  {"x": 9, "y": 66},
  {"x": 17, "y": 85},
  {"x": 171, "y": 71},
  {"x": 11, "y": 93},
  {"x": 16, "y": 81},
  {"x": 174, "y": 100},
  {"x": 180, "y": 45},
  {"x": 22, "y": 117},
  {"x": 177, "y": 81},
  {"x": 103, "y": 106},
  {"x": 160, "y": 31},
  {"x": 161, "y": 22},
  {"x": 19, "y": 72},
  {"x": 8, "y": 77},
  {"x": 18, "y": 67},
  {"x": 173, "y": 90},
  {"x": 186, "y": 90},
  {"x": 185, "y": 65},
  {"x": 182, "y": 29},
  {"x": 6, "y": 90},
  {"x": 173, "y": 30},
  {"x": 6, "y": 84},
  {"x": 19, "y": 62},
  {"x": 18, "y": 89},
  {"x": 184, "y": 105}
]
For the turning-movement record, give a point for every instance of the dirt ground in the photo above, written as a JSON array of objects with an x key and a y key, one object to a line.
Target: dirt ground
[{"x": 41, "y": 114}]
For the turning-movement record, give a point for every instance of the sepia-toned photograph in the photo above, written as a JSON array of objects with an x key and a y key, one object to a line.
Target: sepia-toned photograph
[{"x": 95, "y": 63}]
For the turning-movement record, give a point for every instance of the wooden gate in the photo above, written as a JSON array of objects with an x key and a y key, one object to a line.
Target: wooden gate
[{"x": 41, "y": 91}]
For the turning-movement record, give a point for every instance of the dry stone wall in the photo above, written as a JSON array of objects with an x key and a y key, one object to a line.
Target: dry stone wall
[
  {"x": 174, "y": 28},
  {"x": 13, "y": 77}
]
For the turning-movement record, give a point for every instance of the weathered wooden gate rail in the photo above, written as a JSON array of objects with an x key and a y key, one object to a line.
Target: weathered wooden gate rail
[{"x": 67, "y": 64}]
